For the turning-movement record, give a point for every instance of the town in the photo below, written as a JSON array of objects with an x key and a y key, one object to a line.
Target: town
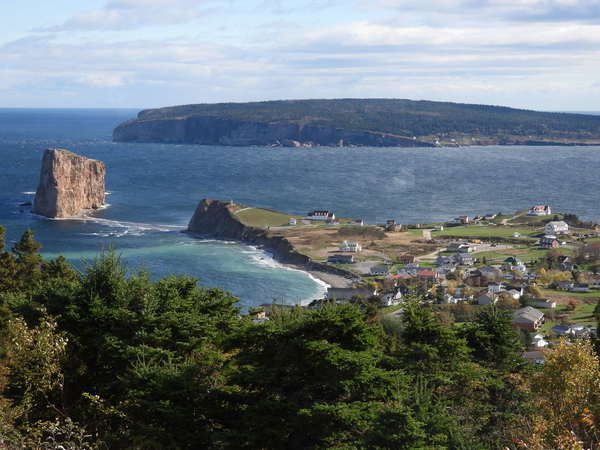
[{"x": 540, "y": 265}]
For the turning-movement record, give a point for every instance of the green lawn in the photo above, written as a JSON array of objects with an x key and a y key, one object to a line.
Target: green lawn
[
  {"x": 263, "y": 218},
  {"x": 489, "y": 232}
]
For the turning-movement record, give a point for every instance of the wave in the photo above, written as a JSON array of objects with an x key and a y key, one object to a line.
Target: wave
[
  {"x": 132, "y": 226},
  {"x": 266, "y": 259},
  {"x": 28, "y": 192}
]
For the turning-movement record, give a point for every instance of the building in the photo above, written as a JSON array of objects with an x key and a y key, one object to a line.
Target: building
[
  {"x": 350, "y": 247},
  {"x": 543, "y": 303},
  {"x": 391, "y": 225},
  {"x": 380, "y": 270},
  {"x": 538, "y": 341},
  {"x": 464, "y": 259},
  {"x": 549, "y": 242},
  {"x": 341, "y": 259},
  {"x": 540, "y": 210},
  {"x": 556, "y": 227},
  {"x": 463, "y": 219},
  {"x": 407, "y": 259},
  {"x": 292, "y": 221},
  {"x": 528, "y": 318},
  {"x": 321, "y": 215}
]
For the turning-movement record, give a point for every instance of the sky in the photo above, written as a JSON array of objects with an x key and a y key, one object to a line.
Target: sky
[{"x": 535, "y": 54}]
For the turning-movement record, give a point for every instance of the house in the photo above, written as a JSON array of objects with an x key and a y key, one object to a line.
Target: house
[
  {"x": 391, "y": 225},
  {"x": 260, "y": 317},
  {"x": 321, "y": 215},
  {"x": 463, "y": 219},
  {"x": 561, "y": 330},
  {"x": 444, "y": 260},
  {"x": 514, "y": 293},
  {"x": 543, "y": 303},
  {"x": 392, "y": 298},
  {"x": 564, "y": 285},
  {"x": 487, "y": 299},
  {"x": 349, "y": 293},
  {"x": 407, "y": 259},
  {"x": 495, "y": 288},
  {"x": 427, "y": 274},
  {"x": 549, "y": 242},
  {"x": 538, "y": 341},
  {"x": 484, "y": 276},
  {"x": 556, "y": 227},
  {"x": 359, "y": 222},
  {"x": 540, "y": 210},
  {"x": 380, "y": 270},
  {"x": 439, "y": 228},
  {"x": 464, "y": 259},
  {"x": 528, "y": 318},
  {"x": 341, "y": 259},
  {"x": 350, "y": 247},
  {"x": 535, "y": 357},
  {"x": 490, "y": 216},
  {"x": 580, "y": 287}
]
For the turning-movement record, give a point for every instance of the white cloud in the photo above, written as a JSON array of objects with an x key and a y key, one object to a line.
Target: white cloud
[{"x": 130, "y": 14}]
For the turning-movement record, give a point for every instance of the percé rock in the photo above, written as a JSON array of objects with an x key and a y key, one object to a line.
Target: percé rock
[
  {"x": 69, "y": 184},
  {"x": 217, "y": 218}
]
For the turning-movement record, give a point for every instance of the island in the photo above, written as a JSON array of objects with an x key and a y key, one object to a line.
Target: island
[
  {"x": 357, "y": 122},
  {"x": 69, "y": 184}
]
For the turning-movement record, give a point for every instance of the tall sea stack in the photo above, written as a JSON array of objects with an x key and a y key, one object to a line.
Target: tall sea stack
[{"x": 69, "y": 184}]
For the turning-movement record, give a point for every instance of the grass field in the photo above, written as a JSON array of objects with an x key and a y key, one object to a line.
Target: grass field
[
  {"x": 490, "y": 232},
  {"x": 524, "y": 254},
  {"x": 263, "y": 218}
]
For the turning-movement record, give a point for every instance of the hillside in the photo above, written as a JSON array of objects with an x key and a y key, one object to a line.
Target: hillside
[{"x": 370, "y": 122}]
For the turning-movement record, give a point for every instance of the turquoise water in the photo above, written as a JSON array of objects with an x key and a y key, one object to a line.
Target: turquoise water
[{"x": 154, "y": 189}]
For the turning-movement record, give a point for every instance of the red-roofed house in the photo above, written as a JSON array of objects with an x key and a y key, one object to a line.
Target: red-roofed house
[{"x": 540, "y": 210}]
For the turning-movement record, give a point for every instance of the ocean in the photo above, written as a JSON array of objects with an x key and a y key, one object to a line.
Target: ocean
[{"x": 154, "y": 189}]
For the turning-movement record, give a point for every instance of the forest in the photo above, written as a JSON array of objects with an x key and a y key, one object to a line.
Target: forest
[{"x": 105, "y": 358}]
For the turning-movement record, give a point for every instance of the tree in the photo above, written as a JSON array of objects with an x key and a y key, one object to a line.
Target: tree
[
  {"x": 29, "y": 260},
  {"x": 566, "y": 395},
  {"x": 493, "y": 339}
]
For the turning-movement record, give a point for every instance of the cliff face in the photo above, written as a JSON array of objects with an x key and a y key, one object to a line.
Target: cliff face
[
  {"x": 69, "y": 184},
  {"x": 208, "y": 130},
  {"x": 217, "y": 218}
]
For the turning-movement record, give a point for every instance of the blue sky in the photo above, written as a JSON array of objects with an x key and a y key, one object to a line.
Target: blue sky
[{"x": 538, "y": 54}]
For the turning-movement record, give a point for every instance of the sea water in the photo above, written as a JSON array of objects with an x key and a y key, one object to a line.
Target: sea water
[{"x": 154, "y": 188}]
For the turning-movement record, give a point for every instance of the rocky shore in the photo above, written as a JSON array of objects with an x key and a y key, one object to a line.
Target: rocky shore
[{"x": 217, "y": 219}]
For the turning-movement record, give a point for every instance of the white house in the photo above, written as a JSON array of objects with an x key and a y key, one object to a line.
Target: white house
[
  {"x": 292, "y": 221},
  {"x": 540, "y": 210},
  {"x": 350, "y": 246},
  {"x": 538, "y": 341},
  {"x": 494, "y": 288},
  {"x": 321, "y": 215},
  {"x": 556, "y": 227}
]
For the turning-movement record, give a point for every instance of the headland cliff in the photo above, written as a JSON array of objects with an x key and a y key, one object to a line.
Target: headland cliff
[
  {"x": 218, "y": 219},
  {"x": 357, "y": 122}
]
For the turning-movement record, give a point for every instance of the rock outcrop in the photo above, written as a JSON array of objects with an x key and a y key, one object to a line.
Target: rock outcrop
[
  {"x": 217, "y": 218},
  {"x": 69, "y": 184}
]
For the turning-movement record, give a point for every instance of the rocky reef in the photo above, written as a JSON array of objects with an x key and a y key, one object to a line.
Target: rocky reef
[
  {"x": 69, "y": 184},
  {"x": 217, "y": 218}
]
